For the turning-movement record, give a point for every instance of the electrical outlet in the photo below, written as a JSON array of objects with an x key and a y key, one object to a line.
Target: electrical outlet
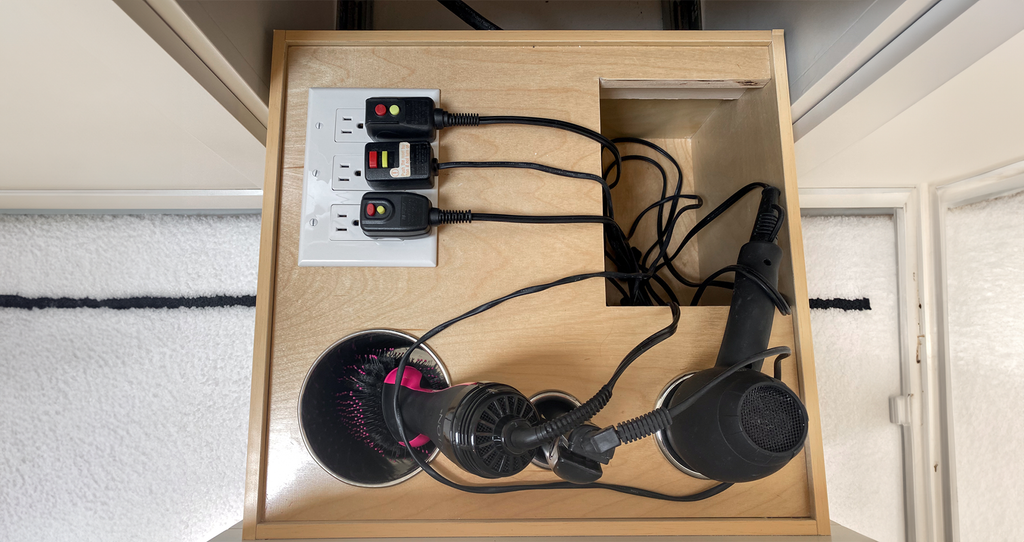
[
  {"x": 342, "y": 167},
  {"x": 331, "y": 236},
  {"x": 348, "y": 168},
  {"x": 334, "y": 181},
  {"x": 345, "y": 223},
  {"x": 348, "y": 124}
]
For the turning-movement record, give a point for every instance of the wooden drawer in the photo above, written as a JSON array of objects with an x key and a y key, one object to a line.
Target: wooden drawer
[{"x": 718, "y": 101}]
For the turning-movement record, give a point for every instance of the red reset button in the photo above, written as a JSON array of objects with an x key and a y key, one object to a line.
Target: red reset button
[
  {"x": 380, "y": 110},
  {"x": 370, "y": 209}
]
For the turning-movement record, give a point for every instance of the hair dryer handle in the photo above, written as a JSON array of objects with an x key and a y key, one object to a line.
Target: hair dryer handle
[{"x": 752, "y": 312}]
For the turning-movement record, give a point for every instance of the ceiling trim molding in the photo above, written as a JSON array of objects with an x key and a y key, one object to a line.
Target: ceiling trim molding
[
  {"x": 920, "y": 60},
  {"x": 874, "y": 31}
]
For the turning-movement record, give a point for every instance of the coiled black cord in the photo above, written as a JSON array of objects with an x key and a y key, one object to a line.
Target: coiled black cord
[
  {"x": 663, "y": 260},
  {"x": 643, "y": 426},
  {"x": 532, "y": 437}
]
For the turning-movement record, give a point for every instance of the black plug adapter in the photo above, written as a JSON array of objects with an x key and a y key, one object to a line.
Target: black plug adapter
[
  {"x": 400, "y": 119},
  {"x": 399, "y": 166},
  {"x": 404, "y": 215}
]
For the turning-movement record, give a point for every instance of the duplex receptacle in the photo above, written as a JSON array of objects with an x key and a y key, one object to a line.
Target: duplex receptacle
[
  {"x": 348, "y": 170},
  {"x": 345, "y": 223},
  {"x": 348, "y": 125}
]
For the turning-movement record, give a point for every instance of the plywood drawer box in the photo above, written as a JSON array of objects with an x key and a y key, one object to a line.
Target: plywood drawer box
[{"x": 719, "y": 102}]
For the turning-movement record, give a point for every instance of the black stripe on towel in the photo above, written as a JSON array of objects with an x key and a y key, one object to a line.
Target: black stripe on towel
[
  {"x": 19, "y": 302},
  {"x": 862, "y": 304}
]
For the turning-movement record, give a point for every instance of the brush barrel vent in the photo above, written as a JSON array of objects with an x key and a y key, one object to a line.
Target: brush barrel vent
[
  {"x": 744, "y": 428},
  {"x": 470, "y": 424},
  {"x": 486, "y": 423}
]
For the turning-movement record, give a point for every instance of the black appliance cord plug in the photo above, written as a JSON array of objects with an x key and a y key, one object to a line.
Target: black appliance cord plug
[{"x": 411, "y": 215}]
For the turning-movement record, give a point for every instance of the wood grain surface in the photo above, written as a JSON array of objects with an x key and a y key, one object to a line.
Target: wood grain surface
[
  {"x": 567, "y": 338},
  {"x": 255, "y": 466}
]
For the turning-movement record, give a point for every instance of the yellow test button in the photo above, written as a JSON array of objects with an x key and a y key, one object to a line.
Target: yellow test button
[
  {"x": 394, "y": 110},
  {"x": 384, "y": 159},
  {"x": 381, "y": 209}
]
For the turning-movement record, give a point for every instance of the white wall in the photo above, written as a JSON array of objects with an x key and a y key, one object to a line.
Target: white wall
[
  {"x": 243, "y": 30},
  {"x": 90, "y": 102}
]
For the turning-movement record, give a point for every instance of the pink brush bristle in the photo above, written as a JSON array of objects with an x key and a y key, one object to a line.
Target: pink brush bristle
[{"x": 359, "y": 405}]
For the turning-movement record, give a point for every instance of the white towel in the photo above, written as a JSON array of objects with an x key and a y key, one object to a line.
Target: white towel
[
  {"x": 124, "y": 424},
  {"x": 857, "y": 363}
]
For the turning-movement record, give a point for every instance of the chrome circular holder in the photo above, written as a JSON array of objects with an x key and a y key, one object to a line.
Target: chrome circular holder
[
  {"x": 550, "y": 403},
  {"x": 659, "y": 437},
  {"x": 340, "y": 452}
]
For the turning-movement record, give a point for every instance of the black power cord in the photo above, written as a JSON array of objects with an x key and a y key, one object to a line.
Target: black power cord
[
  {"x": 637, "y": 351},
  {"x": 718, "y": 211},
  {"x": 661, "y": 418},
  {"x": 769, "y": 290},
  {"x": 605, "y": 394},
  {"x": 438, "y": 217},
  {"x": 619, "y": 250},
  {"x": 468, "y": 15},
  {"x": 622, "y": 254},
  {"x": 638, "y": 275},
  {"x": 605, "y": 189},
  {"x": 444, "y": 119},
  {"x": 663, "y": 231}
]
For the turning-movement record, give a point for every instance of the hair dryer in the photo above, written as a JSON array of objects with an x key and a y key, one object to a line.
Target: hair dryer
[{"x": 748, "y": 425}]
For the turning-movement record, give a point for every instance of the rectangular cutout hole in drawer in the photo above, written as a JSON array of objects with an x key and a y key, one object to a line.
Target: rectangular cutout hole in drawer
[{"x": 702, "y": 125}]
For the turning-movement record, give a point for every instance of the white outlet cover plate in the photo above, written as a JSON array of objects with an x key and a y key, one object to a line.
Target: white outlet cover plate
[{"x": 332, "y": 131}]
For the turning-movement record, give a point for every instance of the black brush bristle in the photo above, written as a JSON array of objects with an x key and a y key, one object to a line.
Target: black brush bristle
[{"x": 361, "y": 401}]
